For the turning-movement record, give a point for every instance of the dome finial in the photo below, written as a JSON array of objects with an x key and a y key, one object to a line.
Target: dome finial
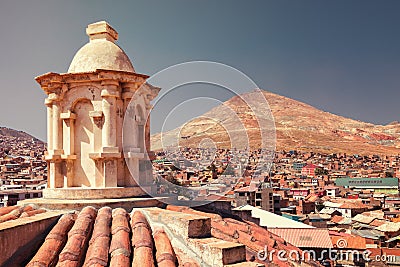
[{"x": 101, "y": 30}]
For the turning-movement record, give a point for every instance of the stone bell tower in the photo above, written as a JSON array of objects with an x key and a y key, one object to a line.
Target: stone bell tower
[{"x": 85, "y": 112}]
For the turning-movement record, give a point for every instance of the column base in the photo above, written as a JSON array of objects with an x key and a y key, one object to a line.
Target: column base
[
  {"x": 93, "y": 193},
  {"x": 72, "y": 204}
]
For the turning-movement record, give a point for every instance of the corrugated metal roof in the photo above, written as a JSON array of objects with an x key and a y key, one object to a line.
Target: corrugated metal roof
[
  {"x": 272, "y": 220},
  {"x": 371, "y": 234},
  {"x": 305, "y": 238},
  {"x": 389, "y": 227}
]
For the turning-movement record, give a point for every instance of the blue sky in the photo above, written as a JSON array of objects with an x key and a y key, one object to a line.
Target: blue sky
[{"x": 340, "y": 56}]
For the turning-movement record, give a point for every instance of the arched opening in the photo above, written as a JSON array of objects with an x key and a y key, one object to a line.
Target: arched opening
[{"x": 84, "y": 167}]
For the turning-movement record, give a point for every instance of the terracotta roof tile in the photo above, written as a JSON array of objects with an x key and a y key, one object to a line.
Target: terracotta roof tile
[
  {"x": 5, "y": 210},
  {"x": 120, "y": 247},
  {"x": 10, "y": 216},
  {"x": 78, "y": 237},
  {"x": 109, "y": 238},
  {"x": 32, "y": 213},
  {"x": 142, "y": 241},
  {"x": 377, "y": 223},
  {"x": 250, "y": 234},
  {"x": 15, "y": 212},
  {"x": 352, "y": 242},
  {"x": 97, "y": 253},
  {"x": 47, "y": 255},
  {"x": 165, "y": 254}
]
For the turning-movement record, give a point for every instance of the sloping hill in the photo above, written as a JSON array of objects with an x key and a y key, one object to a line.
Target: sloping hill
[
  {"x": 4, "y": 131},
  {"x": 298, "y": 126}
]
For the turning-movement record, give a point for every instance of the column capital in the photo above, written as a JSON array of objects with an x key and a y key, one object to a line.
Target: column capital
[
  {"x": 48, "y": 102},
  {"x": 108, "y": 82},
  {"x": 68, "y": 115},
  {"x": 110, "y": 92},
  {"x": 54, "y": 97}
]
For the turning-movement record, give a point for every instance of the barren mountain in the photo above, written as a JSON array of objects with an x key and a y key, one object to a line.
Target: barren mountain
[
  {"x": 298, "y": 127},
  {"x": 8, "y": 132}
]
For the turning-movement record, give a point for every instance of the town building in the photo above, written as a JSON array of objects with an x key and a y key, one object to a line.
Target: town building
[{"x": 378, "y": 185}]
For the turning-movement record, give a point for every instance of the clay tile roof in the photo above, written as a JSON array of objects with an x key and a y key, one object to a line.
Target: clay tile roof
[
  {"x": 165, "y": 254},
  {"x": 120, "y": 247},
  {"x": 15, "y": 212},
  {"x": 97, "y": 253},
  {"x": 142, "y": 241},
  {"x": 246, "y": 189},
  {"x": 156, "y": 237},
  {"x": 78, "y": 238},
  {"x": 47, "y": 255}
]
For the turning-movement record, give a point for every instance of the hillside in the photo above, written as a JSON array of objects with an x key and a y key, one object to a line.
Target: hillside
[
  {"x": 298, "y": 126},
  {"x": 4, "y": 131}
]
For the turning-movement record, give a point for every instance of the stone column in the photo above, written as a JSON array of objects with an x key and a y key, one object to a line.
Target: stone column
[
  {"x": 147, "y": 128},
  {"x": 110, "y": 152},
  {"x": 57, "y": 129},
  {"x": 49, "y": 106},
  {"x": 55, "y": 163},
  {"x": 109, "y": 131},
  {"x": 69, "y": 146}
]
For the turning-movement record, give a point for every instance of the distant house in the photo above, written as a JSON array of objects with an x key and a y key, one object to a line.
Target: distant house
[
  {"x": 299, "y": 193},
  {"x": 381, "y": 185},
  {"x": 347, "y": 209},
  {"x": 298, "y": 165},
  {"x": 332, "y": 191},
  {"x": 309, "y": 170},
  {"x": 305, "y": 207},
  {"x": 11, "y": 197},
  {"x": 316, "y": 220}
]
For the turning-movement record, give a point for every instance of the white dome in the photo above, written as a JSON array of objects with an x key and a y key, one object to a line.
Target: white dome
[{"x": 101, "y": 52}]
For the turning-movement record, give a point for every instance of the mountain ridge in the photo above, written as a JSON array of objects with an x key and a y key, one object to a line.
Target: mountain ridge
[
  {"x": 6, "y": 131},
  {"x": 299, "y": 126}
]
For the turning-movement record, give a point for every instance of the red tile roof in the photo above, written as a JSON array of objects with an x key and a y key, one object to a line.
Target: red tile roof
[
  {"x": 142, "y": 241},
  {"x": 120, "y": 247},
  {"x": 74, "y": 251},
  {"x": 97, "y": 253},
  {"x": 47, "y": 255},
  {"x": 165, "y": 254},
  {"x": 254, "y": 237},
  {"x": 116, "y": 238},
  {"x": 15, "y": 212}
]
